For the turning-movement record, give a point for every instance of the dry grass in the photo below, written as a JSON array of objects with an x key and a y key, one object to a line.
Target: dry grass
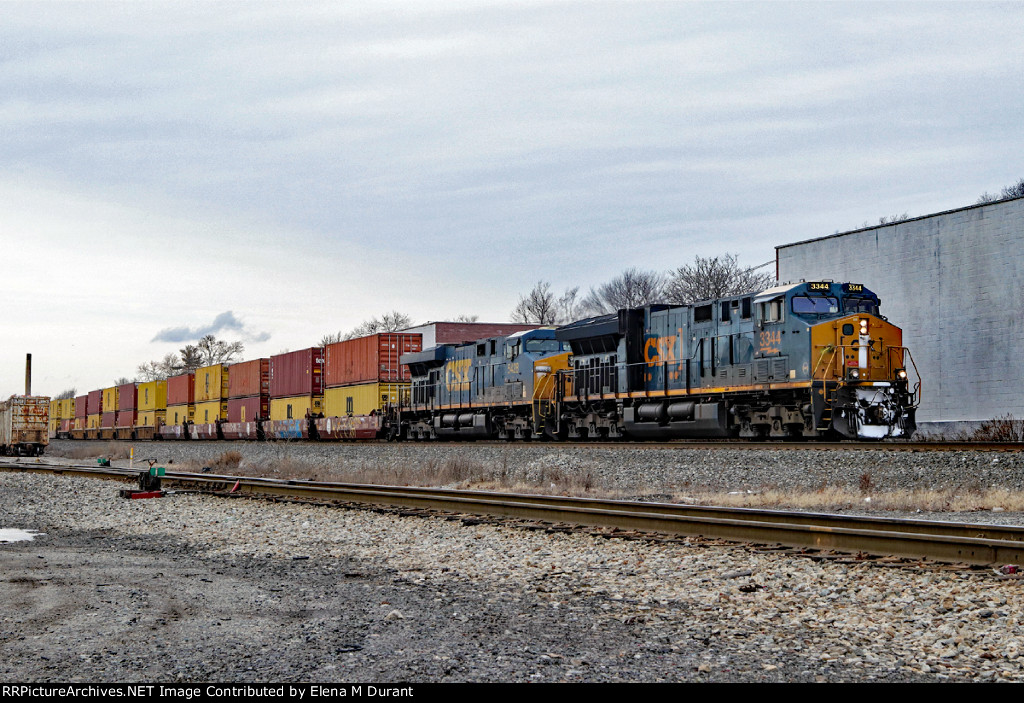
[
  {"x": 95, "y": 450},
  {"x": 926, "y": 500},
  {"x": 1000, "y": 429},
  {"x": 452, "y": 472}
]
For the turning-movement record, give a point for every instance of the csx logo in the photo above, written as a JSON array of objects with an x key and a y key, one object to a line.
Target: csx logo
[
  {"x": 456, "y": 374},
  {"x": 660, "y": 349}
]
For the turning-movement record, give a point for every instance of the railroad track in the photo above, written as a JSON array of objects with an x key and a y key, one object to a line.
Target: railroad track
[
  {"x": 915, "y": 539},
  {"x": 893, "y": 445}
]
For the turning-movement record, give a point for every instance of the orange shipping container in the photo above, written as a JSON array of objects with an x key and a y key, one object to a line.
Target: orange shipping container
[
  {"x": 249, "y": 378},
  {"x": 181, "y": 389},
  {"x": 372, "y": 359}
]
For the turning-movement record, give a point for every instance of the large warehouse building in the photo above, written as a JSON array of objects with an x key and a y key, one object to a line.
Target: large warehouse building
[{"x": 954, "y": 282}]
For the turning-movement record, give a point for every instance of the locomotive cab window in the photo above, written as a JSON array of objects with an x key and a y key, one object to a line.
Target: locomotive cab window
[
  {"x": 771, "y": 312},
  {"x": 815, "y": 305},
  {"x": 855, "y": 305},
  {"x": 542, "y": 345}
]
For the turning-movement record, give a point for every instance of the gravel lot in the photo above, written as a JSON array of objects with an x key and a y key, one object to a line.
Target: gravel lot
[{"x": 195, "y": 588}]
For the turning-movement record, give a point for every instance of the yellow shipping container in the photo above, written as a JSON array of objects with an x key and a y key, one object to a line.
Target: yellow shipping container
[
  {"x": 79, "y": 423},
  {"x": 152, "y": 396},
  {"x": 296, "y": 407},
  {"x": 361, "y": 399},
  {"x": 93, "y": 422},
  {"x": 177, "y": 414},
  {"x": 54, "y": 417},
  {"x": 149, "y": 418},
  {"x": 211, "y": 383},
  {"x": 110, "y": 400},
  {"x": 67, "y": 409},
  {"x": 211, "y": 411}
]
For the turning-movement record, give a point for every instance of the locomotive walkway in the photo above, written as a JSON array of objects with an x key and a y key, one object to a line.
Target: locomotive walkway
[{"x": 913, "y": 539}]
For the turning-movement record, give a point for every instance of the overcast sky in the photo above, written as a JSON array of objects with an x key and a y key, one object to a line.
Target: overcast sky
[{"x": 276, "y": 171}]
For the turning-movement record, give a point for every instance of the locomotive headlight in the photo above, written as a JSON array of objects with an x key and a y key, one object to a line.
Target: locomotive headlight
[
  {"x": 863, "y": 327},
  {"x": 854, "y": 373},
  {"x": 901, "y": 374}
]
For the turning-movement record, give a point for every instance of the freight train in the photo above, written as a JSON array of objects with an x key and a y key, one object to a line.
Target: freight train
[{"x": 804, "y": 360}]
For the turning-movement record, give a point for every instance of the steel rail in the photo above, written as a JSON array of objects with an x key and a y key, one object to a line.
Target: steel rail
[
  {"x": 941, "y": 541},
  {"x": 810, "y": 444}
]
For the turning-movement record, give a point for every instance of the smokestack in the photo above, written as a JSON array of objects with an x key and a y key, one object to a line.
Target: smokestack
[{"x": 28, "y": 374}]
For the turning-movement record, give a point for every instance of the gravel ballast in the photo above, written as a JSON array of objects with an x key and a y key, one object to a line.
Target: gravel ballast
[{"x": 193, "y": 587}]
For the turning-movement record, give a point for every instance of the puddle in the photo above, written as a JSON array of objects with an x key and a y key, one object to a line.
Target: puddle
[{"x": 12, "y": 535}]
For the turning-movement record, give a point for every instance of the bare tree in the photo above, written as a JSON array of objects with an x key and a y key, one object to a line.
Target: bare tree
[
  {"x": 1014, "y": 191},
  {"x": 541, "y": 307},
  {"x": 191, "y": 358},
  {"x": 170, "y": 365},
  {"x": 388, "y": 322},
  {"x": 217, "y": 351},
  {"x": 466, "y": 318},
  {"x": 1011, "y": 191},
  {"x": 893, "y": 219},
  {"x": 65, "y": 394},
  {"x": 713, "y": 277},
  {"x": 537, "y": 307},
  {"x": 630, "y": 289},
  {"x": 122, "y": 381}
]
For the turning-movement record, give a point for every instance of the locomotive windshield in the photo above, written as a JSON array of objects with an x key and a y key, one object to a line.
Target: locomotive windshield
[
  {"x": 815, "y": 305},
  {"x": 856, "y": 305},
  {"x": 543, "y": 345}
]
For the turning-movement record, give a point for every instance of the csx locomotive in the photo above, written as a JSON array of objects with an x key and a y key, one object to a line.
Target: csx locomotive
[{"x": 802, "y": 360}]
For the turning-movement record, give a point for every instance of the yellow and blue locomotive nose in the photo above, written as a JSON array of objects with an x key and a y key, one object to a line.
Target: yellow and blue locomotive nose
[{"x": 857, "y": 348}]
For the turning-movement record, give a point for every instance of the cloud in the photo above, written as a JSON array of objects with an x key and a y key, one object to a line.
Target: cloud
[{"x": 225, "y": 322}]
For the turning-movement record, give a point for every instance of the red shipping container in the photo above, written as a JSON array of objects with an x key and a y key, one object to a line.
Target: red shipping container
[
  {"x": 81, "y": 406},
  {"x": 125, "y": 418},
  {"x": 372, "y": 359},
  {"x": 249, "y": 378},
  {"x": 127, "y": 398},
  {"x": 66, "y": 426},
  {"x": 108, "y": 419},
  {"x": 181, "y": 390},
  {"x": 459, "y": 332},
  {"x": 96, "y": 402},
  {"x": 248, "y": 409},
  {"x": 297, "y": 373}
]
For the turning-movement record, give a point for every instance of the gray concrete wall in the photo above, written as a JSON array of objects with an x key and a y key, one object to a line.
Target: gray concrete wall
[{"x": 954, "y": 282}]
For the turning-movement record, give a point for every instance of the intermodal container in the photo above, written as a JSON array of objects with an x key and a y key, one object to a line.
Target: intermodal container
[
  {"x": 125, "y": 418},
  {"x": 210, "y": 411},
  {"x": 93, "y": 421},
  {"x": 295, "y": 407},
  {"x": 152, "y": 395},
  {"x": 362, "y": 399},
  {"x": 66, "y": 426},
  {"x": 181, "y": 390},
  {"x": 81, "y": 408},
  {"x": 150, "y": 418},
  {"x": 297, "y": 373},
  {"x": 67, "y": 408},
  {"x": 110, "y": 401},
  {"x": 95, "y": 403},
  {"x": 211, "y": 383},
  {"x": 54, "y": 418},
  {"x": 248, "y": 409},
  {"x": 127, "y": 397},
  {"x": 177, "y": 414},
  {"x": 107, "y": 419},
  {"x": 249, "y": 378},
  {"x": 369, "y": 359}
]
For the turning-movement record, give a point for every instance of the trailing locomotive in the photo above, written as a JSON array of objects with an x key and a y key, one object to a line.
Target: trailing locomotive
[
  {"x": 801, "y": 360},
  {"x": 497, "y": 387}
]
